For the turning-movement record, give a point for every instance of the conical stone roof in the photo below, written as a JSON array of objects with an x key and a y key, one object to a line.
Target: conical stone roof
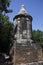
[
  {"x": 23, "y": 13},
  {"x": 23, "y": 10}
]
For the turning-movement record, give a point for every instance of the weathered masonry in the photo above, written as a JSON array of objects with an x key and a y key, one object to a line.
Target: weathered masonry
[
  {"x": 23, "y": 21},
  {"x": 25, "y": 50}
]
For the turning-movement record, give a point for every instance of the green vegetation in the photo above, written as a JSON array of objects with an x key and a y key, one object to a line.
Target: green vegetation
[
  {"x": 4, "y": 4},
  {"x": 6, "y": 33},
  {"x": 38, "y": 37},
  {"x": 6, "y": 27}
]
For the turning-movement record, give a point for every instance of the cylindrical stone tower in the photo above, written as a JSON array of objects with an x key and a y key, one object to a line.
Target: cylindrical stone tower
[
  {"x": 24, "y": 50},
  {"x": 23, "y": 26}
]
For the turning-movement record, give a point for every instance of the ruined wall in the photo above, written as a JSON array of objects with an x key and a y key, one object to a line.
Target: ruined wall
[{"x": 26, "y": 55}]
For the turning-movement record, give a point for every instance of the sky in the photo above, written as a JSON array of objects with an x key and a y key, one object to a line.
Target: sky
[{"x": 33, "y": 7}]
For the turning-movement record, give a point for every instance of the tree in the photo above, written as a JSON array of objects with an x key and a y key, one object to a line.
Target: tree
[
  {"x": 6, "y": 35},
  {"x": 38, "y": 37},
  {"x": 6, "y": 27},
  {"x": 4, "y": 4}
]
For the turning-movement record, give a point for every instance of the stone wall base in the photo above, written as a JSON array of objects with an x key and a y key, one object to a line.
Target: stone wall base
[{"x": 25, "y": 54}]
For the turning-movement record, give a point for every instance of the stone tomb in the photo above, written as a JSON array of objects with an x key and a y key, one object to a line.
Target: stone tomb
[{"x": 25, "y": 50}]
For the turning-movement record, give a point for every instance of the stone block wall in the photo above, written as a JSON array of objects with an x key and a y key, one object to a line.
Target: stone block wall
[{"x": 26, "y": 55}]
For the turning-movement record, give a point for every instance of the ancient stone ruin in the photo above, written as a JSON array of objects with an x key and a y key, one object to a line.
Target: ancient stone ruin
[{"x": 25, "y": 49}]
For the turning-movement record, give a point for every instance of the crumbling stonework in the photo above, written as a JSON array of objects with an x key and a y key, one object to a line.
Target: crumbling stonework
[
  {"x": 25, "y": 50},
  {"x": 26, "y": 55}
]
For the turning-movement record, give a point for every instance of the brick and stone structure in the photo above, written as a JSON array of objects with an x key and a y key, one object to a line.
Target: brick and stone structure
[
  {"x": 25, "y": 50},
  {"x": 23, "y": 21}
]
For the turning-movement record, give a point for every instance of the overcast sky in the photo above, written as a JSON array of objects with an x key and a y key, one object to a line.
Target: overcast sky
[{"x": 33, "y": 7}]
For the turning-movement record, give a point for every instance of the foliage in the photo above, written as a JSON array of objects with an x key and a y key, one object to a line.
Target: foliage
[
  {"x": 6, "y": 27},
  {"x": 38, "y": 37},
  {"x": 4, "y": 4},
  {"x": 6, "y": 33}
]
